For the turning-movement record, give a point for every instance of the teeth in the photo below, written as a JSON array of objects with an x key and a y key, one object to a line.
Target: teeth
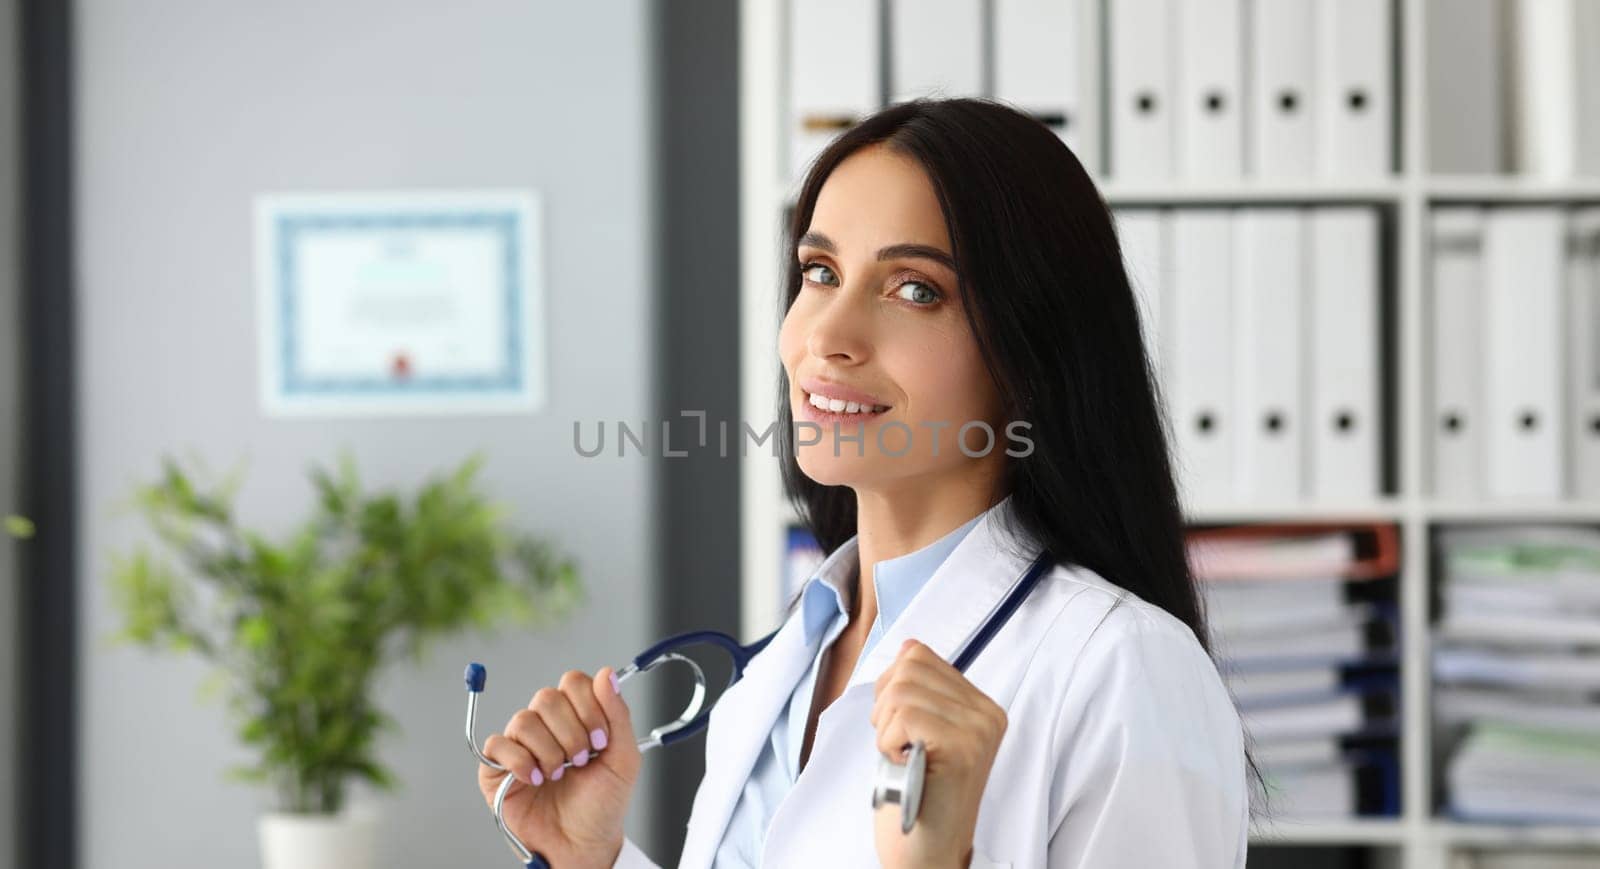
[{"x": 836, "y": 405}]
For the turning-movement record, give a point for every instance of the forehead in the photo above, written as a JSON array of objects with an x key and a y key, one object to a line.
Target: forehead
[{"x": 877, "y": 197}]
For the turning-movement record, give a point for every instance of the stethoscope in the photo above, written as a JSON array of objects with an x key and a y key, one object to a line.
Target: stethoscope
[{"x": 895, "y": 783}]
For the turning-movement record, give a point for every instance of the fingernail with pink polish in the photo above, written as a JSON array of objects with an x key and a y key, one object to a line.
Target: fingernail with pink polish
[
  {"x": 536, "y": 777},
  {"x": 556, "y": 776},
  {"x": 616, "y": 688},
  {"x": 597, "y": 738},
  {"x": 581, "y": 758}
]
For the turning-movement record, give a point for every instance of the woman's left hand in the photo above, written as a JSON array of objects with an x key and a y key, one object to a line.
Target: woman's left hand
[{"x": 921, "y": 696}]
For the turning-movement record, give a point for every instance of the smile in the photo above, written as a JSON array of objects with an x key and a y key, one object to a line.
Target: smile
[{"x": 840, "y": 406}]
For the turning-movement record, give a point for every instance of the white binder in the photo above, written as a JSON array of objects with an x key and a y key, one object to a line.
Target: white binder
[
  {"x": 1544, "y": 87},
  {"x": 1354, "y": 81},
  {"x": 1524, "y": 264},
  {"x": 833, "y": 73},
  {"x": 1201, "y": 374},
  {"x": 1269, "y": 286},
  {"x": 1555, "y": 87},
  {"x": 1142, "y": 42},
  {"x": 1456, "y": 419},
  {"x": 1045, "y": 64},
  {"x": 1281, "y": 110},
  {"x": 1142, "y": 233},
  {"x": 1344, "y": 422},
  {"x": 1210, "y": 87},
  {"x": 1583, "y": 293},
  {"x": 935, "y": 48}
]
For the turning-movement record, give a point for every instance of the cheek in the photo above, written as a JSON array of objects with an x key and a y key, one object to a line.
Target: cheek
[
  {"x": 973, "y": 399},
  {"x": 978, "y": 397},
  {"x": 943, "y": 380},
  {"x": 790, "y": 340}
]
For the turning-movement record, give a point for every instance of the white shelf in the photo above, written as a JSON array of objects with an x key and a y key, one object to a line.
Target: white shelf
[
  {"x": 1307, "y": 512},
  {"x": 1382, "y": 191},
  {"x": 1333, "y": 832},
  {"x": 1421, "y": 840},
  {"x": 1395, "y": 510},
  {"x": 1381, "y": 832},
  {"x": 1514, "y": 511},
  {"x": 1307, "y": 192},
  {"x": 1508, "y": 835},
  {"x": 1510, "y": 188}
]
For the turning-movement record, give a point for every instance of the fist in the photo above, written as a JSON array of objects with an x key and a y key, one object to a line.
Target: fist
[{"x": 921, "y": 696}]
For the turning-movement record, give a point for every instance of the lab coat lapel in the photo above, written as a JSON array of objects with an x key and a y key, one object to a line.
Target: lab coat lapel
[
  {"x": 827, "y": 814},
  {"x": 956, "y": 601},
  {"x": 740, "y": 727}
]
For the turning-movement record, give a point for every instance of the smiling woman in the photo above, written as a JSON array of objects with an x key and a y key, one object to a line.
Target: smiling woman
[
  {"x": 953, "y": 260},
  {"x": 952, "y": 272}
]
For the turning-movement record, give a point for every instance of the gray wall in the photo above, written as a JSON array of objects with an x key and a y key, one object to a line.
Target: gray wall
[
  {"x": 10, "y": 414},
  {"x": 184, "y": 110},
  {"x": 698, "y": 220}
]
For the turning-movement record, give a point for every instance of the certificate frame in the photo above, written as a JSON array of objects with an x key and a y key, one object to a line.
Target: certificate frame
[{"x": 495, "y": 237}]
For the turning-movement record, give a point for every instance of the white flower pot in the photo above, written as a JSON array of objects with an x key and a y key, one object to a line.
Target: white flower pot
[{"x": 348, "y": 840}]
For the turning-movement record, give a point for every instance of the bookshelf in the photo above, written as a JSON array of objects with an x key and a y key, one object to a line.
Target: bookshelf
[{"x": 1417, "y": 838}]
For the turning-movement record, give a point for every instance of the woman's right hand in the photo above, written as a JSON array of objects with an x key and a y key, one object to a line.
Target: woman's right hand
[{"x": 571, "y": 816}]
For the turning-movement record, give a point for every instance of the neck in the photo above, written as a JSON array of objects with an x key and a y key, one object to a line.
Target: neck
[{"x": 892, "y": 523}]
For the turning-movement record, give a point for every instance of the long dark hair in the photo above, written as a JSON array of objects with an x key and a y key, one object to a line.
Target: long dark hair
[{"x": 1046, "y": 294}]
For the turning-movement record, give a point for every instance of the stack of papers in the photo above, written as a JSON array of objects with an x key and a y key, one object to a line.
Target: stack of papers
[
  {"x": 1528, "y": 774},
  {"x": 1271, "y": 557},
  {"x": 1521, "y": 586},
  {"x": 1311, "y": 660},
  {"x": 1517, "y": 673},
  {"x": 1289, "y": 624}
]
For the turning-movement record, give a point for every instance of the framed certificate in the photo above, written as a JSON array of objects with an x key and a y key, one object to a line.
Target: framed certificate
[{"x": 398, "y": 303}]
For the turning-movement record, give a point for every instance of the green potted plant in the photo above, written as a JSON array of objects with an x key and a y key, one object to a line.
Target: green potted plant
[
  {"x": 19, "y": 527},
  {"x": 298, "y": 628}
]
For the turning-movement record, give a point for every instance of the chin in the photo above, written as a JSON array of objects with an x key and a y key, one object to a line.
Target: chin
[{"x": 846, "y": 469}]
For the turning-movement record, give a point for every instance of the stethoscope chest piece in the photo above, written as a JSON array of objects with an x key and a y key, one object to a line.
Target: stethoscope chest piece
[{"x": 901, "y": 783}]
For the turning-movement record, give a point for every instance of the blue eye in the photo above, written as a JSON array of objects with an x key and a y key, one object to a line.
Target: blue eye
[
  {"x": 924, "y": 295},
  {"x": 808, "y": 268}
]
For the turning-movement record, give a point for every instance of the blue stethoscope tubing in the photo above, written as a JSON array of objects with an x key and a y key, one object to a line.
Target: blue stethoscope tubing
[
  {"x": 691, "y": 721},
  {"x": 897, "y": 783}
]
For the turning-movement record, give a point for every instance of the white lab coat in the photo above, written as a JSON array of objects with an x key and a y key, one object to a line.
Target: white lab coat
[{"x": 1122, "y": 748}]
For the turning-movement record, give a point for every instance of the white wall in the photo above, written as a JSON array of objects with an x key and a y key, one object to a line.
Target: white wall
[
  {"x": 10, "y": 413},
  {"x": 185, "y": 109}
]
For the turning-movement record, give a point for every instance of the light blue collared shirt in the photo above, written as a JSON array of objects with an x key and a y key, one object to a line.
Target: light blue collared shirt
[{"x": 825, "y": 610}]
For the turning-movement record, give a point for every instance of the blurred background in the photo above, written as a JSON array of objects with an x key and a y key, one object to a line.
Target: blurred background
[
  {"x": 546, "y": 237},
  {"x": 137, "y": 138}
]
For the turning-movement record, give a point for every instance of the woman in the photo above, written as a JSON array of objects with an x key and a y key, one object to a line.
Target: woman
[{"x": 952, "y": 267}]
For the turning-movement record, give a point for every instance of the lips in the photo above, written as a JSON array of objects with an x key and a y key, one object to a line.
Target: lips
[{"x": 832, "y": 404}]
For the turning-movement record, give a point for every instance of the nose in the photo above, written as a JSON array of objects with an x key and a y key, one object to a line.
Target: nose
[{"x": 839, "y": 328}]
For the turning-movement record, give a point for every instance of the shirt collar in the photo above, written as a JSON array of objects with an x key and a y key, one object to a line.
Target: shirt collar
[
  {"x": 829, "y": 590},
  {"x": 896, "y": 581}
]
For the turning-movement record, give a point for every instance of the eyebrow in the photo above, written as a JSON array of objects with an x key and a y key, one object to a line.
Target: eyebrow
[{"x": 893, "y": 251}]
